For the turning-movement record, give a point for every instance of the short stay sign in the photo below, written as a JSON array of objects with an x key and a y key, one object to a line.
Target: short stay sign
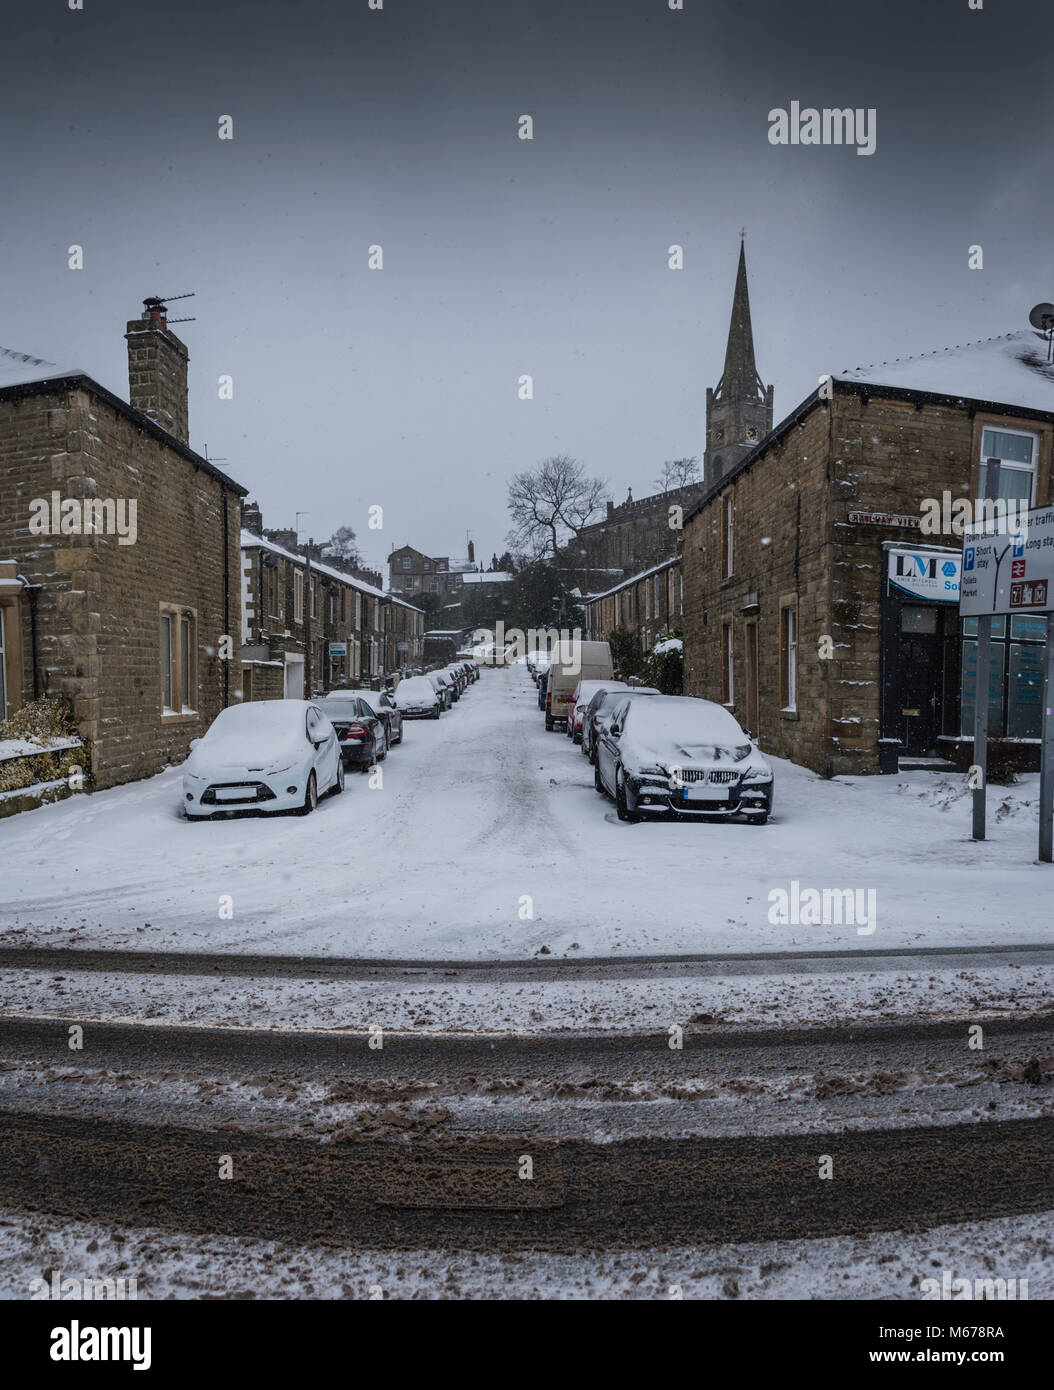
[{"x": 1008, "y": 568}]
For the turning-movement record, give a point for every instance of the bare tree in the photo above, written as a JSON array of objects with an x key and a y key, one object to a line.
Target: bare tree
[
  {"x": 678, "y": 473},
  {"x": 343, "y": 546},
  {"x": 551, "y": 504}
]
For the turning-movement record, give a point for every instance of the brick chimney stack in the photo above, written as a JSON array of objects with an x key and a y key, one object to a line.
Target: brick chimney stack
[
  {"x": 157, "y": 369},
  {"x": 252, "y": 518}
]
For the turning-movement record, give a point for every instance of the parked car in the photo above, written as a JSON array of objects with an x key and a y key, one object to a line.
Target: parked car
[
  {"x": 580, "y": 698},
  {"x": 418, "y": 698},
  {"x": 443, "y": 686},
  {"x": 458, "y": 675},
  {"x": 678, "y": 754},
  {"x": 267, "y": 755},
  {"x": 362, "y": 734},
  {"x": 585, "y": 661},
  {"x": 384, "y": 707},
  {"x": 543, "y": 682},
  {"x": 599, "y": 711},
  {"x": 540, "y": 667}
]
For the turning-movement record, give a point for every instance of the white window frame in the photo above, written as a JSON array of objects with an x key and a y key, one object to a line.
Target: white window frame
[
  {"x": 298, "y": 596},
  {"x": 1010, "y": 465},
  {"x": 730, "y": 534}
]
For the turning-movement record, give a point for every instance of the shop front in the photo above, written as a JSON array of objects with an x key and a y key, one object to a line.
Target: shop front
[{"x": 929, "y": 666}]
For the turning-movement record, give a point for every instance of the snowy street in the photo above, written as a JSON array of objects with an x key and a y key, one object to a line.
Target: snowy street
[{"x": 487, "y": 840}]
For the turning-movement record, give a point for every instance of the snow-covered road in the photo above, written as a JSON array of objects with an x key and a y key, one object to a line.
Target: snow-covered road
[{"x": 483, "y": 819}]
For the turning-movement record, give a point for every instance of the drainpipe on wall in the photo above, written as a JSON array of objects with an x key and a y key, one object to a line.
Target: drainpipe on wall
[
  {"x": 226, "y": 595},
  {"x": 32, "y": 590}
]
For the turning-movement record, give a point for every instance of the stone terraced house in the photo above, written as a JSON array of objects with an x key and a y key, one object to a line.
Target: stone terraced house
[{"x": 119, "y": 543}]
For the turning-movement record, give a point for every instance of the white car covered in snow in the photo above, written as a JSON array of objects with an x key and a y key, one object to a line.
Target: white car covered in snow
[
  {"x": 675, "y": 754},
  {"x": 417, "y": 698},
  {"x": 268, "y": 755}
]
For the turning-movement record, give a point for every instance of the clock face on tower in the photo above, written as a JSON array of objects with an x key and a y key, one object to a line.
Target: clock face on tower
[
  {"x": 718, "y": 436},
  {"x": 753, "y": 433}
]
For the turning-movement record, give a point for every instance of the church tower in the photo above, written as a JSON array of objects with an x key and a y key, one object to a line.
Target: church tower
[{"x": 739, "y": 408}]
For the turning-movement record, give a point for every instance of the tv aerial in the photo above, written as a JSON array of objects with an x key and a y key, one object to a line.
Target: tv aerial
[
  {"x": 158, "y": 304},
  {"x": 1042, "y": 317}
]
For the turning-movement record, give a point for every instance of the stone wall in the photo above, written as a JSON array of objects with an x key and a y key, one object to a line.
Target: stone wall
[{"x": 99, "y": 604}]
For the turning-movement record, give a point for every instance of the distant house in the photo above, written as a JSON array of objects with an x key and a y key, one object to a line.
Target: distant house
[
  {"x": 649, "y": 605},
  {"x": 120, "y": 589},
  {"x": 357, "y": 633}
]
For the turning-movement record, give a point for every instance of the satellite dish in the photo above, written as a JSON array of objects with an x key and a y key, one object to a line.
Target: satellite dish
[{"x": 1042, "y": 317}]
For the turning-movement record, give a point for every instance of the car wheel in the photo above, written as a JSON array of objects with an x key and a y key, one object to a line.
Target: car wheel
[
  {"x": 598, "y": 781},
  {"x": 435, "y": 712},
  {"x": 383, "y": 751},
  {"x": 400, "y": 738},
  {"x": 759, "y": 820},
  {"x": 549, "y": 725},
  {"x": 310, "y": 796},
  {"x": 624, "y": 813},
  {"x": 338, "y": 785}
]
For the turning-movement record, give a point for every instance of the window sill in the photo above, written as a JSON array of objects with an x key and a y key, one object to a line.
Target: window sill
[
  {"x": 175, "y": 716},
  {"x": 789, "y": 714}
]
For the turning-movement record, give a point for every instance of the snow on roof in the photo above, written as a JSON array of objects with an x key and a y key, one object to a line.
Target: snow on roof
[
  {"x": 635, "y": 578},
  {"x": 17, "y": 368},
  {"x": 488, "y": 577},
  {"x": 1010, "y": 370},
  {"x": 251, "y": 539}
]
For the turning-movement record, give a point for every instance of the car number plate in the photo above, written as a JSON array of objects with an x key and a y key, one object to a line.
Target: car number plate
[
  {"x": 705, "y": 793},
  {"x": 234, "y": 793}
]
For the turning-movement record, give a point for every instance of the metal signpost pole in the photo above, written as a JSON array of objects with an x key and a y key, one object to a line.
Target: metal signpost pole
[
  {"x": 980, "y": 709},
  {"x": 1046, "y": 775}
]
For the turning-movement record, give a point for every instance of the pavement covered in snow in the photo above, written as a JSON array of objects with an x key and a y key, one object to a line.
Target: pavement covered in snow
[
  {"x": 883, "y": 1266},
  {"x": 487, "y": 840}
]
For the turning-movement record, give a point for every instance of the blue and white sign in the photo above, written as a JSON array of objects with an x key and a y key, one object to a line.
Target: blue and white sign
[{"x": 925, "y": 574}]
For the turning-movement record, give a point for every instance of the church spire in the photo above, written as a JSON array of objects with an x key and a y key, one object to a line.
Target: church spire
[
  {"x": 740, "y": 379},
  {"x": 739, "y": 408}
]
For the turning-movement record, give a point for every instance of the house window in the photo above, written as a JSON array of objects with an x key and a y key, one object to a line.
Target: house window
[
  {"x": 185, "y": 657},
  {"x": 166, "y": 663},
  {"x": 435, "y": 586},
  {"x": 727, "y": 685},
  {"x": 408, "y": 585},
  {"x": 407, "y": 561},
  {"x": 654, "y": 598},
  {"x": 298, "y": 596},
  {"x": 789, "y": 657},
  {"x": 314, "y": 597},
  {"x": 1016, "y": 452},
  {"x": 178, "y": 660},
  {"x": 426, "y": 566},
  {"x": 728, "y": 522}
]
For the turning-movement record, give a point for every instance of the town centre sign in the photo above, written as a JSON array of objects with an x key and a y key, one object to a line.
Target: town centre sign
[{"x": 1008, "y": 569}]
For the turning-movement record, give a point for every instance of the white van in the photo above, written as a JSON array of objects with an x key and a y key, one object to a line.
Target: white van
[{"x": 573, "y": 662}]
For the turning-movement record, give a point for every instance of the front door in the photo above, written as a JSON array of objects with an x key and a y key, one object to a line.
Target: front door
[
  {"x": 752, "y": 706},
  {"x": 294, "y": 677},
  {"x": 919, "y": 686}
]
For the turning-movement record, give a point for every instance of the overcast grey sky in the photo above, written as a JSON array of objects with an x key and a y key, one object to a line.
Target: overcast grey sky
[{"x": 399, "y": 127}]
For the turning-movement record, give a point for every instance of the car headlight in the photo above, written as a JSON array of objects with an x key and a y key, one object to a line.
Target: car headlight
[
  {"x": 757, "y": 774},
  {"x": 655, "y": 771}
]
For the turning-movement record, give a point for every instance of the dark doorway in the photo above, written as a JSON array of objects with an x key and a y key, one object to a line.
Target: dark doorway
[{"x": 920, "y": 678}]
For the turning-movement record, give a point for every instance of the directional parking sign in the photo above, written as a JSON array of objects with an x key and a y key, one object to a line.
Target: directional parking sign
[{"x": 1009, "y": 570}]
